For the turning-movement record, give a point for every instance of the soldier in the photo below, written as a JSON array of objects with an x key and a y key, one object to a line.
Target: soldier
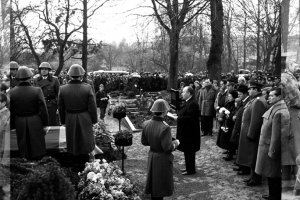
[
  {"x": 28, "y": 116},
  {"x": 50, "y": 86},
  {"x": 78, "y": 111},
  {"x": 13, "y": 67}
]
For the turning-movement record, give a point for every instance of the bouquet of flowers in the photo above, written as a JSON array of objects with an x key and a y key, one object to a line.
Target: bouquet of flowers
[
  {"x": 102, "y": 180},
  {"x": 103, "y": 138},
  {"x": 119, "y": 111},
  {"x": 123, "y": 138}
]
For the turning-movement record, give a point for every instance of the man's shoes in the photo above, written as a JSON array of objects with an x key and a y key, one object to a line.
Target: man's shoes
[
  {"x": 188, "y": 173},
  {"x": 265, "y": 196},
  {"x": 236, "y": 169},
  {"x": 243, "y": 172},
  {"x": 228, "y": 158},
  {"x": 253, "y": 183},
  {"x": 247, "y": 180},
  {"x": 183, "y": 170}
]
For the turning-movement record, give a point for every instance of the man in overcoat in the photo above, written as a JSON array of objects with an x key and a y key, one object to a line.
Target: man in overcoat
[
  {"x": 29, "y": 116},
  {"x": 78, "y": 111},
  {"x": 188, "y": 130},
  {"x": 250, "y": 131},
  {"x": 274, "y": 132},
  {"x": 13, "y": 68},
  {"x": 206, "y": 102},
  {"x": 157, "y": 134},
  {"x": 50, "y": 86}
]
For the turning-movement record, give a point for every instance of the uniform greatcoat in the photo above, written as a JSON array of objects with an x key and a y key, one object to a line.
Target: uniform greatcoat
[
  {"x": 29, "y": 116},
  {"x": 188, "y": 127},
  {"x": 250, "y": 131},
  {"x": 273, "y": 139},
  {"x": 78, "y": 111},
  {"x": 157, "y": 134},
  {"x": 50, "y": 88}
]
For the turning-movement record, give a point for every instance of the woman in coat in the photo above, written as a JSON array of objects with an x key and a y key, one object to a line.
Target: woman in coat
[
  {"x": 78, "y": 111},
  {"x": 226, "y": 121},
  {"x": 28, "y": 116},
  {"x": 157, "y": 134}
]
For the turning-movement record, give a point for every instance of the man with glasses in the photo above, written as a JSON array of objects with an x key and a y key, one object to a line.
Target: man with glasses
[
  {"x": 13, "y": 67},
  {"x": 250, "y": 131},
  {"x": 50, "y": 87}
]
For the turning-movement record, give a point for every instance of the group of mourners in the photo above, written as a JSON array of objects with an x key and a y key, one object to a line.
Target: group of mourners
[{"x": 257, "y": 126}]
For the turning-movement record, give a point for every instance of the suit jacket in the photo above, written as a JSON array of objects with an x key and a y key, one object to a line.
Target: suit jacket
[
  {"x": 274, "y": 135},
  {"x": 188, "y": 127},
  {"x": 78, "y": 111}
]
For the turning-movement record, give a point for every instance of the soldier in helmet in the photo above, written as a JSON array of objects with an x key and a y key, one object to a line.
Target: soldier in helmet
[
  {"x": 78, "y": 111},
  {"x": 50, "y": 87},
  {"x": 157, "y": 134},
  {"x": 28, "y": 115},
  {"x": 13, "y": 67}
]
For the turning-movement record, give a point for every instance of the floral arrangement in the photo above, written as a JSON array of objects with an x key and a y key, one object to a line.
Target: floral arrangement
[
  {"x": 123, "y": 138},
  {"x": 119, "y": 111},
  {"x": 224, "y": 110},
  {"x": 102, "y": 180}
]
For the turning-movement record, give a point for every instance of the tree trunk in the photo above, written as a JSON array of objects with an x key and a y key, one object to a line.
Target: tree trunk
[
  {"x": 84, "y": 41},
  {"x": 60, "y": 60},
  {"x": 245, "y": 40},
  {"x": 214, "y": 60},
  {"x": 173, "y": 69},
  {"x": 285, "y": 10},
  {"x": 258, "y": 38}
]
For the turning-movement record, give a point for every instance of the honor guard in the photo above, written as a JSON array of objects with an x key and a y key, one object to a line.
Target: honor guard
[
  {"x": 13, "y": 67},
  {"x": 50, "y": 87}
]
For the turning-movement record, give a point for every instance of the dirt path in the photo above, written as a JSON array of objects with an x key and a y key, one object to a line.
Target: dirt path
[{"x": 214, "y": 180}]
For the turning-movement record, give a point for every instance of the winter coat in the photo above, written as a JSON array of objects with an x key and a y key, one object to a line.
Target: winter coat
[
  {"x": 4, "y": 135},
  {"x": 292, "y": 146},
  {"x": 235, "y": 135},
  {"x": 207, "y": 99},
  {"x": 273, "y": 139},
  {"x": 223, "y": 139},
  {"x": 157, "y": 134},
  {"x": 78, "y": 111},
  {"x": 29, "y": 116},
  {"x": 188, "y": 127},
  {"x": 101, "y": 103},
  {"x": 50, "y": 88},
  {"x": 250, "y": 131}
]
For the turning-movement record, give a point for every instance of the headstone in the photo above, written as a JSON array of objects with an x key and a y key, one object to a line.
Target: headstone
[{"x": 174, "y": 99}]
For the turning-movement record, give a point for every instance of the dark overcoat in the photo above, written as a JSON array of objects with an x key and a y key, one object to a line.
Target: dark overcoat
[
  {"x": 157, "y": 134},
  {"x": 207, "y": 99},
  {"x": 78, "y": 111},
  {"x": 235, "y": 135},
  {"x": 29, "y": 116},
  {"x": 273, "y": 139},
  {"x": 250, "y": 131},
  {"x": 188, "y": 127},
  {"x": 223, "y": 139},
  {"x": 50, "y": 88}
]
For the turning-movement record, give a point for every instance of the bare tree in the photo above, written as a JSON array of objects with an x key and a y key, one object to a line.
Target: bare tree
[
  {"x": 216, "y": 48},
  {"x": 173, "y": 16}
]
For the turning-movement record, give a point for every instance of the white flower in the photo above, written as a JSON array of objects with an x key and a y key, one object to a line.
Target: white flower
[
  {"x": 221, "y": 110},
  {"x": 90, "y": 175},
  {"x": 227, "y": 112},
  {"x": 104, "y": 161}
]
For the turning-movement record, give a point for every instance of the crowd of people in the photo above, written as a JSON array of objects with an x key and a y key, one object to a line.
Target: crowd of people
[{"x": 257, "y": 120}]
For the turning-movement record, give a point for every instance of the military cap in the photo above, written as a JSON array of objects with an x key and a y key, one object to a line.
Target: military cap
[
  {"x": 23, "y": 73},
  {"x": 160, "y": 105},
  {"x": 13, "y": 65},
  {"x": 76, "y": 70},
  {"x": 243, "y": 89},
  {"x": 45, "y": 65}
]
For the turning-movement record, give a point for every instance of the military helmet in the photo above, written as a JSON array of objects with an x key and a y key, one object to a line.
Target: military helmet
[
  {"x": 45, "y": 65},
  {"x": 23, "y": 73},
  {"x": 160, "y": 105},
  {"x": 76, "y": 70},
  {"x": 13, "y": 65}
]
